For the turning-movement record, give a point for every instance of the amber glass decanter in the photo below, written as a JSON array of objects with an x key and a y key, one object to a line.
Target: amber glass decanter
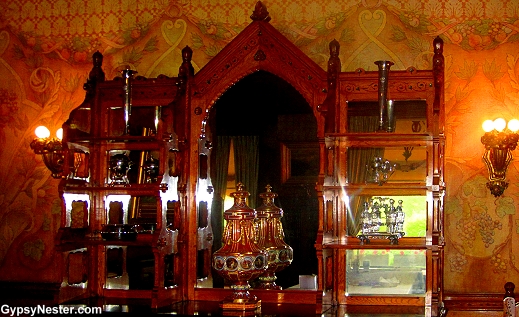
[
  {"x": 271, "y": 239},
  {"x": 240, "y": 259}
]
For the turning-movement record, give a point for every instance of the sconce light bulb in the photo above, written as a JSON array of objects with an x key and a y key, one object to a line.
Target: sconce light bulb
[
  {"x": 59, "y": 133},
  {"x": 42, "y": 132},
  {"x": 499, "y": 124},
  {"x": 488, "y": 125},
  {"x": 513, "y": 125}
]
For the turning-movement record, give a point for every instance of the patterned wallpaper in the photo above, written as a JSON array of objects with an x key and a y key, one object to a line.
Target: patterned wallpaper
[{"x": 45, "y": 56}]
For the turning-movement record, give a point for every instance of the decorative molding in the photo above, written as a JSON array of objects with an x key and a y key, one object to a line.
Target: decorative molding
[{"x": 468, "y": 302}]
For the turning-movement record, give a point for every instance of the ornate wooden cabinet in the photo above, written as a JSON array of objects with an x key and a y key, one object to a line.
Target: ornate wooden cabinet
[
  {"x": 373, "y": 167},
  {"x": 169, "y": 184},
  {"x": 122, "y": 191}
]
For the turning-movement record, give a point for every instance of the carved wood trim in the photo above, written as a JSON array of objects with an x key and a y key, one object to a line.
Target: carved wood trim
[
  {"x": 480, "y": 302},
  {"x": 260, "y": 47}
]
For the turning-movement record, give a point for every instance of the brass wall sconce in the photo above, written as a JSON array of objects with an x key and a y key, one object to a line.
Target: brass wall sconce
[
  {"x": 500, "y": 140},
  {"x": 51, "y": 149}
]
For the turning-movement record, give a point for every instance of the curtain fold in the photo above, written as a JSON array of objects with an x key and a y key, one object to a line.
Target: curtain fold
[
  {"x": 246, "y": 159},
  {"x": 358, "y": 160},
  {"x": 219, "y": 170}
]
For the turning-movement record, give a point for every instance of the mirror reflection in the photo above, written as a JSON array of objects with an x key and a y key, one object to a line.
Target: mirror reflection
[
  {"x": 410, "y": 116},
  {"x": 384, "y": 272},
  {"x": 414, "y": 210},
  {"x": 397, "y": 164},
  {"x": 265, "y": 133}
]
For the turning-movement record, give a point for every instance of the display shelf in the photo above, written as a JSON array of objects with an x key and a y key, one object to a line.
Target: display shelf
[
  {"x": 383, "y": 147},
  {"x": 117, "y": 172},
  {"x": 129, "y": 145},
  {"x": 355, "y": 243},
  {"x": 142, "y": 239},
  {"x": 386, "y": 190},
  {"x": 379, "y": 138},
  {"x": 155, "y": 186},
  {"x": 76, "y": 238},
  {"x": 380, "y": 300}
]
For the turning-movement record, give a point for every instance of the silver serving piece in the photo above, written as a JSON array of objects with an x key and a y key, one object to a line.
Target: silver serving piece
[
  {"x": 379, "y": 170},
  {"x": 372, "y": 220},
  {"x": 119, "y": 165}
]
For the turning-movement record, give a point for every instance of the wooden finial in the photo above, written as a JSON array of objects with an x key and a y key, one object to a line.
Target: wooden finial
[
  {"x": 509, "y": 289},
  {"x": 260, "y": 13},
  {"x": 438, "y": 45}
]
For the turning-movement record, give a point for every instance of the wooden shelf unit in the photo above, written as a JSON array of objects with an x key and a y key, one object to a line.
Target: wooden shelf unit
[
  {"x": 92, "y": 135},
  {"x": 183, "y": 145},
  {"x": 424, "y": 130}
]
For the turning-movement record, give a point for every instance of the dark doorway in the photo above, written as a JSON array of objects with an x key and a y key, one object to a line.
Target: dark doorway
[{"x": 266, "y": 106}]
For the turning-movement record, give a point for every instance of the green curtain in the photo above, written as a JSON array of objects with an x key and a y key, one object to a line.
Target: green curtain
[
  {"x": 246, "y": 159},
  {"x": 219, "y": 169}
]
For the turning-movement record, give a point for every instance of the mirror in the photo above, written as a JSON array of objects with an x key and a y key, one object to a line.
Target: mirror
[
  {"x": 414, "y": 208},
  {"x": 265, "y": 117},
  {"x": 385, "y": 272},
  {"x": 410, "y": 116},
  {"x": 394, "y": 164}
]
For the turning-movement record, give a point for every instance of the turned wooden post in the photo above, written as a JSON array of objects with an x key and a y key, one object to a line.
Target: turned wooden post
[{"x": 509, "y": 289}]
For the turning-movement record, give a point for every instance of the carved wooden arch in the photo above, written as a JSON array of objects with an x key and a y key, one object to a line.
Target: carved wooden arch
[{"x": 259, "y": 47}]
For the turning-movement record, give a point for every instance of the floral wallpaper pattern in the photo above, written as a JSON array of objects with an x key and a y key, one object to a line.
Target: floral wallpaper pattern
[{"x": 45, "y": 56}]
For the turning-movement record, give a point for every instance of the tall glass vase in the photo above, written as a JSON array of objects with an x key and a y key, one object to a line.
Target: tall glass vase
[
  {"x": 240, "y": 259},
  {"x": 383, "y": 72},
  {"x": 271, "y": 239},
  {"x": 127, "y": 88}
]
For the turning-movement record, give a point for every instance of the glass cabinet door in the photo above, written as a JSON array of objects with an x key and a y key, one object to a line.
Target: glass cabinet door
[
  {"x": 410, "y": 116},
  {"x": 405, "y": 215},
  {"x": 399, "y": 272},
  {"x": 389, "y": 164}
]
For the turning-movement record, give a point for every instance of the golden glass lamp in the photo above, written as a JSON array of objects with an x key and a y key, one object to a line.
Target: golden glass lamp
[
  {"x": 51, "y": 149},
  {"x": 240, "y": 259},
  {"x": 271, "y": 239},
  {"x": 500, "y": 139}
]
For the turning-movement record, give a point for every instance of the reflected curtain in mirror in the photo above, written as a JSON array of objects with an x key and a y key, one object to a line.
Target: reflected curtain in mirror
[
  {"x": 220, "y": 164},
  {"x": 246, "y": 158},
  {"x": 358, "y": 159}
]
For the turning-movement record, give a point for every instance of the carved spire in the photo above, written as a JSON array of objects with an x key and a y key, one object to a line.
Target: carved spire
[
  {"x": 438, "y": 45},
  {"x": 95, "y": 76},
  {"x": 80, "y": 120},
  {"x": 509, "y": 289},
  {"x": 187, "y": 55},
  {"x": 328, "y": 107},
  {"x": 334, "y": 48},
  {"x": 438, "y": 73},
  {"x": 260, "y": 13},
  {"x": 185, "y": 70}
]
